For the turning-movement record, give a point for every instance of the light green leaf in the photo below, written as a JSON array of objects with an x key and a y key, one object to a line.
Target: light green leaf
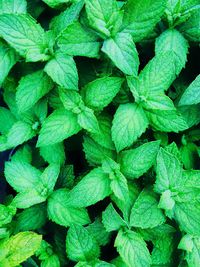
[
  {"x": 53, "y": 153},
  {"x": 122, "y": 51},
  {"x": 50, "y": 176},
  {"x": 192, "y": 246},
  {"x": 76, "y": 40},
  {"x": 60, "y": 125},
  {"x": 26, "y": 36},
  {"x": 62, "y": 70},
  {"x": 132, "y": 249},
  {"x": 169, "y": 171},
  {"x": 88, "y": 120},
  {"x": 141, "y": 17},
  {"x": 63, "y": 214},
  {"x": 8, "y": 58},
  {"x": 81, "y": 245},
  {"x": 145, "y": 212},
  {"x": 21, "y": 175},
  {"x": 20, "y": 247},
  {"x": 100, "y": 13},
  {"x": 19, "y": 133},
  {"x": 155, "y": 78},
  {"x": 71, "y": 100},
  {"x": 31, "y": 88},
  {"x": 94, "y": 152},
  {"x": 112, "y": 221},
  {"x": 55, "y": 3},
  {"x": 166, "y": 120},
  {"x": 158, "y": 101},
  {"x": 65, "y": 18},
  {"x": 191, "y": 114},
  {"x": 129, "y": 123},
  {"x": 32, "y": 218},
  {"x": 104, "y": 138},
  {"x": 24, "y": 154},
  {"x": 172, "y": 40},
  {"x": 92, "y": 188},
  {"x": 191, "y": 95},
  {"x": 13, "y": 6},
  {"x": 99, "y": 232},
  {"x": 188, "y": 216},
  {"x": 190, "y": 28},
  {"x": 100, "y": 92},
  {"x": 135, "y": 162},
  {"x": 8, "y": 117},
  {"x": 28, "y": 198}
]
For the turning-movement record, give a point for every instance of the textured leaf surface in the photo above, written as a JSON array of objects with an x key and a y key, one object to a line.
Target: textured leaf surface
[
  {"x": 122, "y": 51},
  {"x": 24, "y": 35},
  {"x": 80, "y": 244},
  {"x": 129, "y": 123},
  {"x": 141, "y": 17},
  {"x": 31, "y": 88},
  {"x": 191, "y": 95},
  {"x": 63, "y": 214},
  {"x": 132, "y": 249},
  {"x": 76, "y": 40},
  {"x": 60, "y": 125},
  {"x": 135, "y": 162},
  {"x": 62, "y": 70}
]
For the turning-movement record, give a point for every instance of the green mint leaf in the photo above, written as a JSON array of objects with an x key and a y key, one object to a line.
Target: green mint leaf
[
  {"x": 155, "y": 78},
  {"x": 8, "y": 117},
  {"x": 190, "y": 28},
  {"x": 122, "y": 51},
  {"x": 141, "y": 17},
  {"x": 28, "y": 198},
  {"x": 100, "y": 92},
  {"x": 92, "y": 188},
  {"x": 190, "y": 113},
  {"x": 7, "y": 213},
  {"x": 173, "y": 40},
  {"x": 76, "y": 40},
  {"x": 112, "y": 221},
  {"x": 20, "y": 247},
  {"x": 67, "y": 17},
  {"x": 23, "y": 154},
  {"x": 53, "y": 153},
  {"x": 99, "y": 232},
  {"x": 80, "y": 244},
  {"x": 21, "y": 175},
  {"x": 8, "y": 58},
  {"x": 168, "y": 170},
  {"x": 71, "y": 100},
  {"x": 99, "y": 14},
  {"x": 129, "y": 123},
  {"x": 94, "y": 152},
  {"x": 191, "y": 95},
  {"x": 60, "y": 125},
  {"x": 62, "y": 69},
  {"x": 88, "y": 120},
  {"x": 145, "y": 212},
  {"x": 158, "y": 101},
  {"x": 55, "y": 3},
  {"x": 104, "y": 138},
  {"x": 50, "y": 176},
  {"x": 19, "y": 133},
  {"x": 135, "y": 162},
  {"x": 188, "y": 217},
  {"x": 191, "y": 245},
  {"x": 32, "y": 88},
  {"x": 32, "y": 218},
  {"x": 24, "y": 35},
  {"x": 13, "y": 6},
  {"x": 63, "y": 214},
  {"x": 166, "y": 120},
  {"x": 132, "y": 249}
]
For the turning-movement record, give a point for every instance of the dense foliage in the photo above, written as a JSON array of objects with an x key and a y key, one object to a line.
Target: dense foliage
[{"x": 99, "y": 133}]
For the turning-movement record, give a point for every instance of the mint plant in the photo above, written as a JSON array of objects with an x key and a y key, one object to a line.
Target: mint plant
[{"x": 99, "y": 133}]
